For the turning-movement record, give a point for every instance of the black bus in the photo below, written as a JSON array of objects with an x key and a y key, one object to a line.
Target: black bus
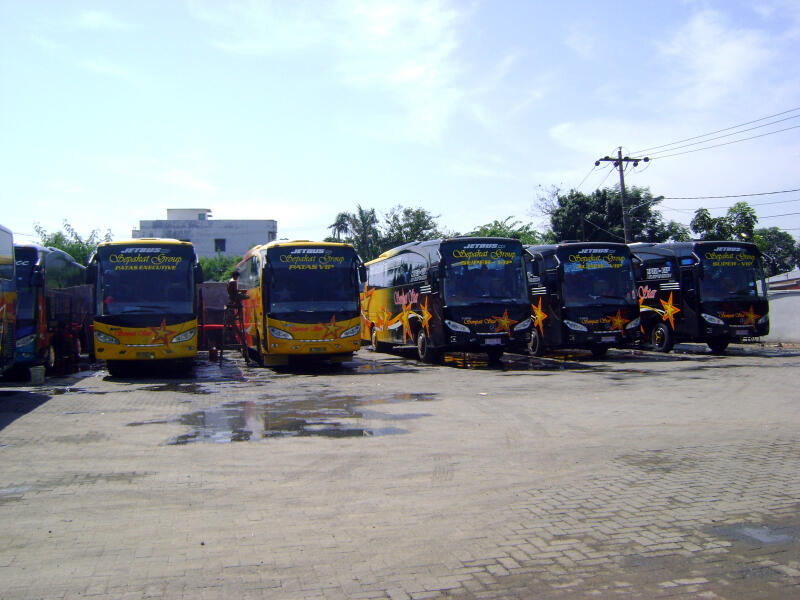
[
  {"x": 703, "y": 291},
  {"x": 461, "y": 294},
  {"x": 582, "y": 296},
  {"x": 54, "y": 307}
]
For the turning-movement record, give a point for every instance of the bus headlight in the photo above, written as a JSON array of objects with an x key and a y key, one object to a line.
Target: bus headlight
[
  {"x": 763, "y": 320},
  {"x": 280, "y": 334},
  {"x": 712, "y": 319},
  {"x": 24, "y": 341},
  {"x": 575, "y": 326},
  {"x": 522, "y": 325},
  {"x": 104, "y": 338},
  {"x": 456, "y": 326},
  {"x": 184, "y": 337},
  {"x": 633, "y": 324},
  {"x": 355, "y": 330}
]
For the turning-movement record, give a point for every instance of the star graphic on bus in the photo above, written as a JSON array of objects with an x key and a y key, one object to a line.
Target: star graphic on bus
[
  {"x": 366, "y": 295},
  {"x": 618, "y": 321},
  {"x": 538, "y": 316},
  {"x": 331, "y": 329},
  {"x": 750, "y": 316},
  {"x": 161, "y": 333},
  {"x": 384, "y": 319},
  {"x": 504, "y": 323},
  {"x": 426, "y": 316},
  {"x": 669, "y": 311},
  {"x": 404, "y": 319}
]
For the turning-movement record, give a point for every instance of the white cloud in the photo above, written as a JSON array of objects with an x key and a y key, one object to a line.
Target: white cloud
[
  {"x": 404, "y": 50},
  {"x": 95, "y": 20},
  {"x": 582, "y": 40},
  {"x": 102, "y": 66},
  {"x": 713, "y": 61}
]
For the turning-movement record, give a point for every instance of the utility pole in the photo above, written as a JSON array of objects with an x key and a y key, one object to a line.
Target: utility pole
[{"x": 619, "y": 163}]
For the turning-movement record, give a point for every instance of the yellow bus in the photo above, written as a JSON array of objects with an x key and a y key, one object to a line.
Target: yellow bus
[
  {"x": 8, "y": 299},
  {"x": 302, "y": 300},
  {"x": 144, "y": 300}
]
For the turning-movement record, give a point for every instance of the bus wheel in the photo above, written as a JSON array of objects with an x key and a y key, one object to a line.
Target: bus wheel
[
  {"x": 718, "y": 345},
  {"x": 494, "y": 355},
  {"x": 376, "y": 346},
  {"x": 50, "y": 358},
  {"x": 424, "y": 350},
  {"x": 536, "y": 345},
  {"x": 599, "y": 351},
  {"x": 115, "y": 368},
  {"x": 661, "y": 338}
]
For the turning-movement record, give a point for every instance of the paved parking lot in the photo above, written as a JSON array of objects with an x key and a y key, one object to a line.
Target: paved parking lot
[{"x": 638, "y": 476}]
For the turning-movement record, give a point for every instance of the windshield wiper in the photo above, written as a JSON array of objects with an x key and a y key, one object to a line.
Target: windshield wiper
[{"x": 151, "y": 308}]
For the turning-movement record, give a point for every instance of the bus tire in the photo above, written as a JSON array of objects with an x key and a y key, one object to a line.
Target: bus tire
[
  {"x": 718, "y": 345},
  {"x": 599, "y": 350},
  {"x": 536, "y": 345},
  {"x": 115, "y": 368},
  {"x": 425, "y": 351},
  {"x": 50, "y": 358},
  {"x": 375, "y": 345},
  {"x": 494, "y": 355},
  {"x": 661, "y": 338}
]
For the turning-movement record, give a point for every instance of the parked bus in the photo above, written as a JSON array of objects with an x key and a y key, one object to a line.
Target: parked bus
[
  {"x": 458, "y": 294},
  {"x": 54, "y": 306},
  {"x": 703, "y": 291},
  {"x": 8, "y": 299},
  {"x": 145, "y": 307},
  {"x": 302, "y": 300},
  {"x": 582, "y": 296}
]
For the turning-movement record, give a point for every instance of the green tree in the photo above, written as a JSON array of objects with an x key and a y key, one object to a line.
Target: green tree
[
  {"x": 597, "y": 217},
  {"x": 404, "y": 225},
  {"x": 510, "y": 229},
  {"x": 359, "y": 228},
  {"x": 782, "y": 249},
  {"x": 738, "y": 224},
  {"x": 219, "y": 267},
  {"x": 71, "y": 242}
]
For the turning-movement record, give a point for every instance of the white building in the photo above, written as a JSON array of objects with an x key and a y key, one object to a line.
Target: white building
[{"x": 210, "y": 237}]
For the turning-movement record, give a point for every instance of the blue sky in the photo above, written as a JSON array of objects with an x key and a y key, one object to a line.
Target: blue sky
[{"x": 112, "y": 112}]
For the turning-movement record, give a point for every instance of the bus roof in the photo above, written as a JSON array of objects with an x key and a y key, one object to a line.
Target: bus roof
[
  {"x": 291, "y": 243},
  {"x": 682, "y": 249},
  {"x": 553, "y": 247},
  {"x": 425, "y": 247},
  {"x": 144, "y": 241}
]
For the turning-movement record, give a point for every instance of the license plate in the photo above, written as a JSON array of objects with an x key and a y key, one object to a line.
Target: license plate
[
  {"x": 742, "y": 332},
  {"x": 317, "y": 349},
  {"x": 493, "y": 342},
  {"x": 608, "y": 338}
]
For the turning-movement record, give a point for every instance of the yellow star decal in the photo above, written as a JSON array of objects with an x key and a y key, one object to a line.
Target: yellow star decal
[
  {"x": 618, "y": 321},
  {"x": 669, "y": 311},
  {"x": 538, "y": 316},
  {"x": 161, "y": 333},
  {"x": 504, "y": 323},
  {"x": 426, "y": 316},
  {"x": 331, "y": 329},
  {"x": 750, "y": 317},
  {"x": 384, "y": 319},
  {"x": 404, "y": 319}
]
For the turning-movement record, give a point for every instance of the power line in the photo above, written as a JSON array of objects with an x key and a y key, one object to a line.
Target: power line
[
  {"x": 587, "y": 177},
  {"x": 718, "y": 131},
  {"x": 601, "y": 229},
  {"x": 726, "y": 143},
  {"x": 782, "y": 215},
  {"x": 719, "y": 137},
  {"x": 728, "y": 196}
]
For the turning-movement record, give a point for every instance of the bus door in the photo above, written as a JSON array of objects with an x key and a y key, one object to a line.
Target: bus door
[
  {"x": 688, "y": 323},
  {"x": 555, "y": 304}
]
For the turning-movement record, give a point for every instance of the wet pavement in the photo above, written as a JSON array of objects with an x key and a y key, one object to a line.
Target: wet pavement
[{"x": 640, "y": 475}]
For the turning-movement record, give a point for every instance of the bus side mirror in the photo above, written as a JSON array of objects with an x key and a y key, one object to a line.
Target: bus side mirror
[
  {"x": 362, "y": 272},
  {"x": 198, "y": 274},
  {"x": 91, "y": 273},
  {"x": 37, "y": 278}
]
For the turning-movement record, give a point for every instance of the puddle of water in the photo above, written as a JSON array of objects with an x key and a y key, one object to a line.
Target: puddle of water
[
  {"x": 183, "y": 388},
  {"x": 759, "y": 534},
  {"x": 326, "y": 416}
]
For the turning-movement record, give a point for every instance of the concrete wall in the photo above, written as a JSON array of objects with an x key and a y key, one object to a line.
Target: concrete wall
[
  {"x": 239, "y": 235},
  {"x": 784, "y": 317}
]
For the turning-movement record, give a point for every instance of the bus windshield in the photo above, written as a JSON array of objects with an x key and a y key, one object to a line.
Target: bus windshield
[
  {"x": 25, "y": 259},
  {"x": 481, "y": 272},
  {"x": 731, "y": 274},
  {"x": 596, "y": 276},
  {"x": 146, "y": 279},
  {"x": 312, "y": 279}
]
